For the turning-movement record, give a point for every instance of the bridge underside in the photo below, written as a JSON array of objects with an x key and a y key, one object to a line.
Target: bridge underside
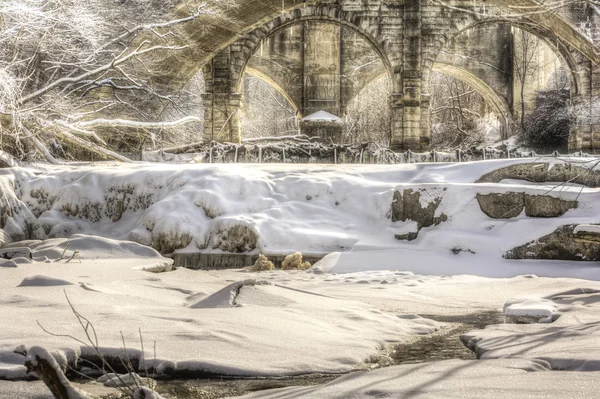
[{"x": 321, "y": 56}]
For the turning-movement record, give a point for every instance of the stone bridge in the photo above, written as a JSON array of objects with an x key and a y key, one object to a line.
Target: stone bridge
[{"x": 320, "y": 55}]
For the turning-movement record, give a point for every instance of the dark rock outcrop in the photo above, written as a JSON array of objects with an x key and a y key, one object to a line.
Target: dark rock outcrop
[
  {"x": 511, "y": 204},
  {"x": 407, "y": 205},
  {"x": 559, "y": 245}
]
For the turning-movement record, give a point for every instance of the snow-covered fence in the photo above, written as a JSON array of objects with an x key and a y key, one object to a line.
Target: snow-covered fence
[
  {"x": 308, "y": 151},
  {"x": 283, "y": 152}
]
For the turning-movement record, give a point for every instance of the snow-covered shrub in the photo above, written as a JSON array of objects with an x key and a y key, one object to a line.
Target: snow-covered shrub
[
  {"x": 262, "y": 264},
  {"x": 231, "y": 235},
  {"x": 294, "y": 262}
]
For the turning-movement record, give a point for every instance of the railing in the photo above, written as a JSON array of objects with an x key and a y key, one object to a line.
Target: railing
[{"x": 315, "y": 152}]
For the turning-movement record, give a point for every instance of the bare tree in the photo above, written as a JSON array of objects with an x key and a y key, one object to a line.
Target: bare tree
[
  {"x": 266, "y": 112},
  {"x": 526, "y": 63},
  {"x": 63, "y": 69},
  {"x": 457, "y": 114},
  {"x": 368, "y": 115}
]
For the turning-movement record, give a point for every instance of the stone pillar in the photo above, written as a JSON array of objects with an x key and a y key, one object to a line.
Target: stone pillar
[
  {"x": 322, "y": 52},
  {"x": 222, "y": 120},
  {"x": 221, "y": 104},
  {"x": 397, "y": 117},
  {"x": 412, "y": 109}
]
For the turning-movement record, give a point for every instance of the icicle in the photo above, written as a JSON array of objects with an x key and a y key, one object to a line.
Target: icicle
[
  {"x": 210, "y": 155},
  {"x": 283, "y": 152},
  {"x": 335, "y": 155},
  {"x": 361, "y": 155}
]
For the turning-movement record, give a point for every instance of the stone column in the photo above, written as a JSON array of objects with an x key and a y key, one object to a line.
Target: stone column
[
  {"x": 397, "y": 117},
  {"x": 221, "y": 104},
  {"x": 411, "y": 108},
  {"x": 222, "y": 120}
]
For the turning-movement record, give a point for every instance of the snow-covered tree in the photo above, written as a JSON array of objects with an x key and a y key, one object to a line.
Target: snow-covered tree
[{"x": 65, "y": 65}]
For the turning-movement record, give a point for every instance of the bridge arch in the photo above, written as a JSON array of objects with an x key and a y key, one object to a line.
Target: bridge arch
[
  {"x": 490, "y": 96},
  {"x": 574, "y": 61},
  {"x": 258, "y": 74},
  {"x": 250, "y": 43}
]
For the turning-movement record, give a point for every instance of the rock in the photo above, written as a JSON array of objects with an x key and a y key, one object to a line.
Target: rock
[
  {"x": 15, "y": 252},
  {"x": 541, "y": 173},
  {"x": 559, "y": 245},
  {"x": 545, "y": 206},
  {"x": 509, "y": 205},
  {"x": 501, "y": 206},
  {"x": 407, "y": 237},
  {"x": 167, "y": 243},
  {"x": 410, "y": 205},
  {"x": 587, "y": 232}
]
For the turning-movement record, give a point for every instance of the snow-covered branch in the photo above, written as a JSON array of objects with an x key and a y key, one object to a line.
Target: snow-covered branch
[{"x": 134, "y": 124}]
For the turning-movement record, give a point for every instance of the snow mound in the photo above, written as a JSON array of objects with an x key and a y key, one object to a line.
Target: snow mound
[
  {"x": 8, "y": 263},
  {"x": 587, "y": 228},
  {"x": 534, "y": 308},
  {"x": 322, "y": 116},
  {"x": 326, "y": 264},
  {"x": 43, "y": 281},
  {"x": 226, "y": 297}
]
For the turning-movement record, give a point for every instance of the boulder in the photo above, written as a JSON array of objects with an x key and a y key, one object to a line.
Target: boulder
[{"x": 562, "y": 244}]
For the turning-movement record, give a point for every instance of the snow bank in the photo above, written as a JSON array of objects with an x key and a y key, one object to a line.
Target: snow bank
[
  {"x": 497, "y": 379},
  {"x": 280, "y": 209}
]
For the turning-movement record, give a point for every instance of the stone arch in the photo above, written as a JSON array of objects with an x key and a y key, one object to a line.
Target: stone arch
[
  {"x": 328, "y": 13},
  {"x": 574, "y": 61},
  {"x": 491, "y": 97},
  {"x": 258, "y": 74},
  {"x": 577, "y": 65}
]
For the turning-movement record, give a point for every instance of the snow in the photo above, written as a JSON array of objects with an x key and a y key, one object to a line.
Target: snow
[
  {"x": 587, "y": 228},
  {"x": 322, "y": 116},
  {"x": 197, "y": 324},
  {"x": 501, "y": 379},
  {"x": 337, "y": 317},
  {"x": 571, "y": 342},
  {"x": 539, "y": 308}
]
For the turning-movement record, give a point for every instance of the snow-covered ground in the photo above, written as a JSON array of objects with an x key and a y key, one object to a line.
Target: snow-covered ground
[{"x": 337, "y": 317}]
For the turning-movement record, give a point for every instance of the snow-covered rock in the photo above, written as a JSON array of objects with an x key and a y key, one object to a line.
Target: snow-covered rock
[{"x": 530, "y": 309}]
